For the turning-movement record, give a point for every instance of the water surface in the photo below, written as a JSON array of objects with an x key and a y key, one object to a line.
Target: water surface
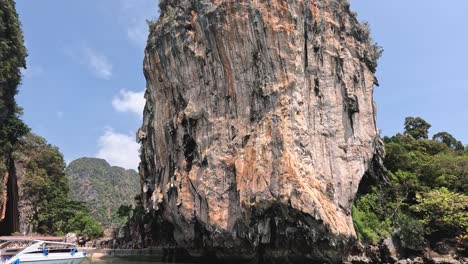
[{"x": 126, "y": 260}]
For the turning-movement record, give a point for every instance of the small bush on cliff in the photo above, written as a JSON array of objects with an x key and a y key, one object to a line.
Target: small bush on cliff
[
  {"x": 362, "y": 32},
  {"x": 151, "y": 25},
  {"x": 426, "y": 197}
]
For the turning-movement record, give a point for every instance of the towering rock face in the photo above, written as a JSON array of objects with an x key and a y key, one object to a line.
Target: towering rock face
[{"x": 259, "y": 125}]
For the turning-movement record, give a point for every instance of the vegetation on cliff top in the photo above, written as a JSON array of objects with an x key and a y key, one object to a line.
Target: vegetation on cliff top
[
  {"x": 426, "y": 200},
  {"x": 13, "y": 59}
]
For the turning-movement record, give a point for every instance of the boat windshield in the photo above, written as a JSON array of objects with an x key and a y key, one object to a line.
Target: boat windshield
[{"x": 57, "y": 247}]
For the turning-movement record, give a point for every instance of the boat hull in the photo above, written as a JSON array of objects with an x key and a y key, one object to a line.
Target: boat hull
[
  {"x": 56, "y": 261},
  {"x": 18, "y": 250},
  {"x": 41, "y": 259}
]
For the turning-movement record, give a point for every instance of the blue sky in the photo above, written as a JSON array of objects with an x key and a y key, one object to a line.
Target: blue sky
[
  {"x": 423, "y": 71},
  {"x": 83, "y": 87}
]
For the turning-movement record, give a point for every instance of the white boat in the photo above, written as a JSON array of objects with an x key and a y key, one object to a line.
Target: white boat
[{"x": 24, "y": 250}]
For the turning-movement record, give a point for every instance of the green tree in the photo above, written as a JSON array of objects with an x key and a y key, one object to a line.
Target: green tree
[
  {"x": 410, "y": 232},
  {"x": 370, "y": 217},
  {"x": 84, "y": 225},
  {"x": 11, "y": 130},
  {"x": 123, "y": 214},
  {"x": 417, "y": 127},
  {"x": 45, "y": 185},
  {"x": 13, "y": 58},
  {"x": 425, "y": 199},
  {"x": 125, "y": 211},
  {"x": 443, "y": 210},
  {"x": 449, "y": 140}
]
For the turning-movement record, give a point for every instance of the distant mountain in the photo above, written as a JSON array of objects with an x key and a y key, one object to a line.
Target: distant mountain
[{"x": 103, "y": 188}]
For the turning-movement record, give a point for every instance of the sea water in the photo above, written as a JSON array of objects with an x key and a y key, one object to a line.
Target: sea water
[{"x": 125, "y": 260}]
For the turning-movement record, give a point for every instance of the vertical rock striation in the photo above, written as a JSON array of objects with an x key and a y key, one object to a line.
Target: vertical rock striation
[{"x": 258, "y": 127}]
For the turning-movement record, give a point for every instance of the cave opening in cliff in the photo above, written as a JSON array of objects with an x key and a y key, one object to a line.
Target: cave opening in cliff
[
  {"x": 10, "y": 224},
  {"x": 376, "y": 174}
]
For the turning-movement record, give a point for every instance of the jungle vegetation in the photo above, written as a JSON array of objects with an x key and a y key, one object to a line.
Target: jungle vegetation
[
  {"x": 425, "y": 199},
  {"x": 45, "y": 186}
]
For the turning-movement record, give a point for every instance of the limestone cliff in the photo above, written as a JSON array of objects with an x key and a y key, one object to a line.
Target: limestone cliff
[{"x": 258, "y": 127}]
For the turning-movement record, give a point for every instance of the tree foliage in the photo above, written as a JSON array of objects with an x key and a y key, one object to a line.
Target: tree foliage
[
  {"x": 131, "y": 216},
  {"x": 13, "y": 59},
  {"x": 367, "y": 215},
  {"x": 426, "y": 199},
  {"x": 411, "y": 233},
  {"x": 417, "y": 127},
  {"x": 443, "y": 210},
  {"x": 448, "y": 140},
  {"x": 45, "y": 185},
  {"x": 82, "y": 223}
]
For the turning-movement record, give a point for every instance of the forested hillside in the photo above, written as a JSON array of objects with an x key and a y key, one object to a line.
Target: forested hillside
[
  {"x": 102, "y": 188},
  {"x": 425, "y": 201},
  {"x": 45, "y": 206}
]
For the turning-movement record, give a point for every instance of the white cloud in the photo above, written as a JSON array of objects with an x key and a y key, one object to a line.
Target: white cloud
[
  {"x": 99, "y": 64},
  {"x": 96, "y": 62},
  {"x": 119, "y": 149},
  {"x": 129, "y": 101}
]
